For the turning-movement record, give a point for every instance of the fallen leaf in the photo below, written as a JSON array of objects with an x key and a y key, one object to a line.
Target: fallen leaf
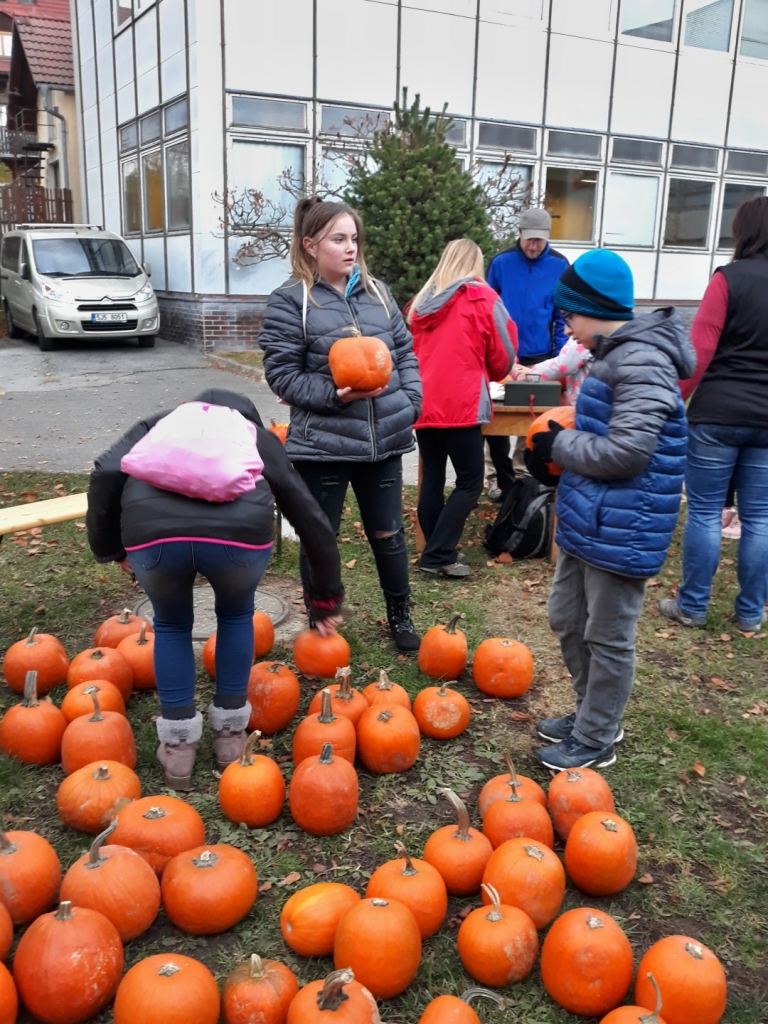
[
  {"x": 740, "y": 780},
  {"x": 748, "y": 635},
  {"x": 319, "y": 869},
  {"x": 725, "y": 637},
  {"x": 400, "y": 829},
  {"x": 80, "y": 526},
  {"x": 663, "y": 636},
  {"x": 646, "y": 879},
  {"x": 265, "y": 886},
  {"x": 727, "y": 561},
  {"x": 634, "y": 916},
  {"x": 290, "y": 879},
  {"x": 671, "y": 735},
  {"x": 520, "y": 716},
  {"x": 465, "y": 912},
  {"x": 351, "y": 564},
  {"x": 674, "y": 818},
  {"x": 699, "y": 769},
  {"x": 504, "y": 558},
  {"x": 40, "y": 609}
]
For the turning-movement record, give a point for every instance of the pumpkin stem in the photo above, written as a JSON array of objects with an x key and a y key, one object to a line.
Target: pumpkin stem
[
  {"x": 385, "y": 715},
  {"x": 246, "y": 758},
  {"x": 332, "y": 994},
  {"x": 379, "y": 902},
  {"x": 64, "y": 913},
  {"x": 451, "y": 627},
  {"x": 609, "y": 825},
  {"x": 275, "y": 666},
  {"x": 30, "y": 690},
  {"x": 535, "y": 851},
  {"x": 483, "y": 993},
  {"x": 493, "y": 895},
  {"x": 442, "y": 692},
  {"x": 354, "y": 332},
  {"x": 514, "y": 797},
  {"x": 142, "y": 635},
  {"x": 95, "y": 860},
  {"x": 326, "y": 754},
  {"x": 154, "y": 813},
  {"x": 168, "y": 970},
  {"x": 573, "y": 776},
  {"x": 125, "y": 617},
  {"x": 98, "y": 654},
  {"x": 326, "y": 715},
  {"x": 462, "y": 830},
  {"x": 30, "y": 641},
  {"x": 653, "y": 1018},
  {"x": 409, "y": 869},
  {"x": 6, "y": 846},
  {"x": 343, "y": 677},
  {"x": 384, "y": 683},
  {"x": 256, "y": 970},
  {"x": 206, "y": 859},
  {"x": 97, "y": 715},
  {"x": 102, "y": 773},
  {"x": 694, "y": 950},
  {"x": 594, "y": 922}
]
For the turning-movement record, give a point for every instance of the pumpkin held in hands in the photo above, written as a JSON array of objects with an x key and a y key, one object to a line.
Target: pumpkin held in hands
[
  {"x": 360, "y": 363},
  {"x": 317, "y": 655},
  {"x": 565, "y": 415}
]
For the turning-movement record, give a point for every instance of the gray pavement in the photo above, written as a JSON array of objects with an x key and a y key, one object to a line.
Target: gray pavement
[{"x": 59, "y": 410}]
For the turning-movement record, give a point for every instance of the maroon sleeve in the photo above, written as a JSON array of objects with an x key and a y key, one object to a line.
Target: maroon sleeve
[{"x": 706, "y": 330}]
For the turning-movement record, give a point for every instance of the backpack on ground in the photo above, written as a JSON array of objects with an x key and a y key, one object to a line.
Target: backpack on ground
[{"x": 523, "y": 526}]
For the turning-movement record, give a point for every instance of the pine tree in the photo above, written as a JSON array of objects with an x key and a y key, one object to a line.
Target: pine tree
[{"x": 414, "y": 199}]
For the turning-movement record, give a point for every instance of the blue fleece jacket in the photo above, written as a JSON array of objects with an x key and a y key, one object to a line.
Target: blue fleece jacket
[{"x": 526, "y": 288}]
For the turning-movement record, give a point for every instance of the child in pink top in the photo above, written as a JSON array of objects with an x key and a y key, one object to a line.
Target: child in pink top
[{"x": 571, "y": 364}]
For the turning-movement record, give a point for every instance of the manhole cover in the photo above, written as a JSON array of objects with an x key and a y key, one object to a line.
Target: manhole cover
[{"x": 205, "y": 616}]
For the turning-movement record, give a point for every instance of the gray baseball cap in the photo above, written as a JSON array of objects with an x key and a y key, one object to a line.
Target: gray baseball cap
[{"x": 535, "y": 224}]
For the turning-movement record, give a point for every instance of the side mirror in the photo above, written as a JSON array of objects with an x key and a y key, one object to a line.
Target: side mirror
[
  {"x": 147, "y": 267},
  {"x": 24, "y": 271}
]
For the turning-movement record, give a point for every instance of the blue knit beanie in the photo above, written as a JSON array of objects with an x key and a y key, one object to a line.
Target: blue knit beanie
[{"x": 599, "y": 285}]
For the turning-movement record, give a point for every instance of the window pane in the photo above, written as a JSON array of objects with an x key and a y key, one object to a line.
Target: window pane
[
  {"x": 131, "y": 196},
  {"x": 61, "y": 256},
  {"x": 709, "y": 26},
  {"x": 649, "y": 19},
  {"x": 128, "y": 137},
  {"x": 456, "y": 134},
  {"x": 176, "y": 117},
  {"x": 570, "y": 199},
  {"x": 573, "y": 144},
  {"x": 733, "y": 197},
  {"x": 152, "y": 172},
  {"x": 688, "y": 206},
  {"x": 177, "y": 186},
  {"x": 150, "y": 128},
  {"x": 123, "y": 11},
  {"x": 506, "y": 136},
  {"x": 351, "y": 121},
  {"x": 636, "y": 151},
  {"x": 695, "y": 157},
  {"x": 259, "y": 165},
  {"x": 754, "y": 33},
  {"x": 747, "y": 163},
  {"x": 630, "y": 209},
  {"x": 268, "y": 113}
]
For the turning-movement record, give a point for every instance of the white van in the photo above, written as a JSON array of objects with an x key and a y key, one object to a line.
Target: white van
[{"x": 75, "y": 281}]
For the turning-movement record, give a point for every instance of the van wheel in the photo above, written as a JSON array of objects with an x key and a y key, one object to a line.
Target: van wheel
[
  {"x": 148, "y": 341},
  {"x": 10, "y": 323},
  {"x": 43, "y": 343}
]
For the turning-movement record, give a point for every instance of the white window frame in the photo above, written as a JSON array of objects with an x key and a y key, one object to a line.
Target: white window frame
[
  {"x": 713, "y": 204},
  {"x": 639, "y": 171}
]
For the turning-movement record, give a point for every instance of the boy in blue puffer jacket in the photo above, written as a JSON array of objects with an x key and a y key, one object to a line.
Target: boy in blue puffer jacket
[{"x": 618, "y": 497}]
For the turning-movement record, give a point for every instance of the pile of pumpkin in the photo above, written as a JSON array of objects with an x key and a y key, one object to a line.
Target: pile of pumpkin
[{"x": 157, "y": 854}]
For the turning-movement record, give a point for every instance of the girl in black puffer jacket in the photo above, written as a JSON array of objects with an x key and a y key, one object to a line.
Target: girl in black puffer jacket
[{"x": 339, "y": 437}]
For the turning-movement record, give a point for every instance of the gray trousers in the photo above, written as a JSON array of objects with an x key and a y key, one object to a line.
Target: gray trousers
[{"x": 594, "y": 614}]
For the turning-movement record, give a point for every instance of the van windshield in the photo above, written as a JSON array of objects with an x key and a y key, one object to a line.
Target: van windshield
[{"x": 84, "y": 257}]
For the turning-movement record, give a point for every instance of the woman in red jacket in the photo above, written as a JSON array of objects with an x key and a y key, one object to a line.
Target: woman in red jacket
[{"x": 463, "y": 338}]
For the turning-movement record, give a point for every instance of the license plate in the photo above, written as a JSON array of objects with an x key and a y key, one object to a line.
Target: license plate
[{"x": 109, "y": 318}]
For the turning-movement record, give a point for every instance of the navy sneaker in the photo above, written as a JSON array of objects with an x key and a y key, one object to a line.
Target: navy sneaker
[
  {"x": 554, "y": 730},
  {"x": 572, "y": 754}
]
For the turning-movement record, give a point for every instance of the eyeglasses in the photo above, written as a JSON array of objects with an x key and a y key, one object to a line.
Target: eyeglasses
[{"x": 567, "y": 317}]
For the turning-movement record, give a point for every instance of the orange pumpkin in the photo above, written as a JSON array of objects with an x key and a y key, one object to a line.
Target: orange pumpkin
[
  {"x": 443, "y": 651},
  {"x": 386, "y": 692},
  {"x": 209, "y": 655},
  {"x": 565, "y": 416},
  {"x": 500, "y": 787},
  {"x": 280, "y": 430},
  {"x": 455, "y": 1010},
  {"x": 321, "y": 656},
  {"x": 41, "y": 653},
  {"x": 586, "y": 962},
  {"x": 209, "y": 889},
  {"x": 118, "y": 627},
  {"x": 263, "y": 641},
  {"x": 339, "y": 1000},
  {"x": 442, "y": 714},
  {"x": 167, "y": 988},
  {"x": 380, "y": 941},
  {"x": 138, "y": 649},
  {"x": 30, "y": 875},
  {"x": 323, "y": 794},
  {"x": 527, "y": 875},
  {"x": 346, "y": 702},
  {"x": 574, "y": 793},
  {"x": 259, "y": 991},
  {"x": 68, "y": 965},
  {"x": 89, "y": 798},
  {"x": 252, "y": 789},
  {"x": 601, "y": 853},
  {"x": 497, "y": 947},
  {"x": 9, "y": 1000},
  {"x": 459, "y": 853},
  {"x": 32, "y": 731},
  {"x": 158, "y": 828},
  {"x": 310, "y": 917},
  {"x": 118, "y": 883},
  {"x": 6, "y": 932},
  {"x": 316, "y": 730},
  {"x": 502, "y": 668},
  {"x": 101, "y": 663},
  {"x": 360, "y": 363},
  {"x": 77, "y": 701},
  {"x": 637, "y": 1014},
  {"x": 388, "y": 739},
  {"x": 416, "y": 884},
  {"x": 516, "y": 817},
  {"x": 102, "y": 736},
  {"x": 274, "y": 694},
  {"x": 690, "y": 978}
]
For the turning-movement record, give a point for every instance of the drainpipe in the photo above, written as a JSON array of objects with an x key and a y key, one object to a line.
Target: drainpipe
[{"x": 54, "y": 112}]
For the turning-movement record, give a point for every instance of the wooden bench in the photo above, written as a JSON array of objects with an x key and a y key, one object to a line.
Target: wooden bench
[{"x": 42, "y": 513}]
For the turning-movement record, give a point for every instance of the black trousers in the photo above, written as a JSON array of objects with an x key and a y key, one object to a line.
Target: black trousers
[
  {"x": 378, "y": 487},
  {"x": 441, "y": 521},
  {"x": 499, "y": 449}
]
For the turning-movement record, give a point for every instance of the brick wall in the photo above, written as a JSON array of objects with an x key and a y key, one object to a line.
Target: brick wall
[{"x": 211, "y": 322}]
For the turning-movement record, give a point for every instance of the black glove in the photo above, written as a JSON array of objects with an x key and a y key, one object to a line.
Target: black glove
[
  {"x": 538, "y": 469},
  {"x": 323, "y": 606},
  {"x": 543, "y": 441}
]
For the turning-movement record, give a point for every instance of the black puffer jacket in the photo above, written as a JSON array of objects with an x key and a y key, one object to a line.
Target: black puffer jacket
[
  {"x": 126, "y": 512},
  {"x": 323, "y": 428}
]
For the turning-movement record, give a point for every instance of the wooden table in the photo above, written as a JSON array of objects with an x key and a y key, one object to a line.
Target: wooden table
[{"x": 42, "y": 513}]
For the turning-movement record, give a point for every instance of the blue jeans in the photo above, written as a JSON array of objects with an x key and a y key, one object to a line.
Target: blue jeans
[
  {"x": 167, "y": 573},
  {"x": 715, "y": 453}
]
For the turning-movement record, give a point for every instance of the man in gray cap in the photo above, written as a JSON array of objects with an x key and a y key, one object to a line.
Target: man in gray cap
[{"x": 525, "y": 278}]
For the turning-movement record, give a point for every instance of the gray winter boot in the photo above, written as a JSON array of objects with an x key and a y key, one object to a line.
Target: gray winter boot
[
  {"x": 179, "y": 739},
  {"x": 228, "y": 732}
]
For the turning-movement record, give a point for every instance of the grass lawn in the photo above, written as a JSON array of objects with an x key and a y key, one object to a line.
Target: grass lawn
[{"x": 691, "y": 778}]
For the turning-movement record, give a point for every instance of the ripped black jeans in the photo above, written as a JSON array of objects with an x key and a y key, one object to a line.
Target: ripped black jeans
[{"x": 378, "y": 487}]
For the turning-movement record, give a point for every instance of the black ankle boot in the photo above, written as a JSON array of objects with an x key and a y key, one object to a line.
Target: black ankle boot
[{"x": 407, "y": 640}]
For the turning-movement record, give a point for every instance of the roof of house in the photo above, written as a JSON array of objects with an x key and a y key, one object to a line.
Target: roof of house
[
  {"x": 38, "y": 8},
  {"x": 47, "y": 44}
]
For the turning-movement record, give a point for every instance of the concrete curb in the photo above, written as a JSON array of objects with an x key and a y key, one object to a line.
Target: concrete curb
[{"x": 232, "y": 365}]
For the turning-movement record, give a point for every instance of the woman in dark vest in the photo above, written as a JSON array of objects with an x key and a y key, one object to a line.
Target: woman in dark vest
[{"x": 728, "y": 428}]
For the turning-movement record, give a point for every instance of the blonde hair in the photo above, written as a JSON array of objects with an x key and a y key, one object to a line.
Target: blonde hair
[
  {"x": 461, "y": 258},
  {"x": 313, "y": 219}
]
